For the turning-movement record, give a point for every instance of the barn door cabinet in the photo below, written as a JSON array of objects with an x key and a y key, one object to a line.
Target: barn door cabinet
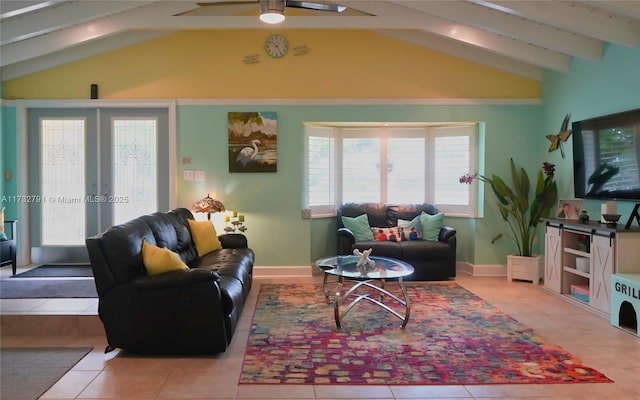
[{"x": 580, "y": 259}]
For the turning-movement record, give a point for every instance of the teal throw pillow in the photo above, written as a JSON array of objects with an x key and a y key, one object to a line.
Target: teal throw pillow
[
  {"x": 359, "y": 226},
  {"x": 431, "y": 225}
]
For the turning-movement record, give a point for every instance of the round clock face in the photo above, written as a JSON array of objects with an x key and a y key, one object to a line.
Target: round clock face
[{"x": 276, "y": 46}]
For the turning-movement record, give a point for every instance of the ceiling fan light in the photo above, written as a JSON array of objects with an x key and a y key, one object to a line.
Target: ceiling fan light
[
  {"x": 272, "y": 11},
  {"x": 272, "y": 17}
]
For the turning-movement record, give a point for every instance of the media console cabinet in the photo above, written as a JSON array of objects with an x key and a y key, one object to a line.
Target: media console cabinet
[{"x": 580, "y": 259}]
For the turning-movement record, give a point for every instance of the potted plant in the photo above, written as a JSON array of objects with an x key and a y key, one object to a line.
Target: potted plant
[{"x": 519, "y": 210}]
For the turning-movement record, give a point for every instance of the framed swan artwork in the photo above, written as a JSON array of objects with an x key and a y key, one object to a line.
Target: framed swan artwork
[{"x": 253, "y": 141}]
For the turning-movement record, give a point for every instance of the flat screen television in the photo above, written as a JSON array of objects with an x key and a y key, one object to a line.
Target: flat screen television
[{"x": 606, "y": 157}]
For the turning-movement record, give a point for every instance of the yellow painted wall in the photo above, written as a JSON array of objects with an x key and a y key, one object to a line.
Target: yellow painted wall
[{"x": 209, "y": 64}]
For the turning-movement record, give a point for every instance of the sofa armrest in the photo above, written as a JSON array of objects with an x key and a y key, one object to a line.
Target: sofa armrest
[
  {"x": 174, "y": 279},
  {"x": 233, "y": 241},
  {"x": 346, "y": 241},
  {"x": 446, "y": 233}
]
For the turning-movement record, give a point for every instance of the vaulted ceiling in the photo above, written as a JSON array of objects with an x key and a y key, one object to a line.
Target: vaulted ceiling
[{"x": 522, "y": 37}]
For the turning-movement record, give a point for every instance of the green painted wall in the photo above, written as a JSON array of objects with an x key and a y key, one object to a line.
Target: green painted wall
[
  {"x": 272, "y": 202},
  {"x": 8, "y": 159},
  {"x": 590, "y": 89}
]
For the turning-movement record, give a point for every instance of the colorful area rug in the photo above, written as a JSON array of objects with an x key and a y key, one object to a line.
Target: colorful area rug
[{"x": 453, "y": 338}]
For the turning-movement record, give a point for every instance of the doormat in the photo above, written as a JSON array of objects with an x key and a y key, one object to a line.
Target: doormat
[
  {"x": 453, "y": 338},
  {"x": 57, "y": 271},
  {"x": 27, "y": 372},
  {"x": 43, "y": 288}
]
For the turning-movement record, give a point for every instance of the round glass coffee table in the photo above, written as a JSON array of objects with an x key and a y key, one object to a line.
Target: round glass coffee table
[{"x": 374, "y": 277}]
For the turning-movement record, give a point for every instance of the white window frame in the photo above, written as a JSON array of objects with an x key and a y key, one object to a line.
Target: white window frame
[{"x": 430, "y": 131}]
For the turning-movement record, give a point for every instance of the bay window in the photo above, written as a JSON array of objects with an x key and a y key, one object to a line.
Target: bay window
[{"x": 389, "y": 165}]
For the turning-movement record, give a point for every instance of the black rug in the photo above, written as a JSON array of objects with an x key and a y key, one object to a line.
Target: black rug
[
  {"x": 27, "y": 372},
  {"x": 47, "y": 288},
  {"x": 54, "y": 270}
]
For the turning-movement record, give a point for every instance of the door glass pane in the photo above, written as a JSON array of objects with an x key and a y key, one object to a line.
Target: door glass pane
[
  {"x": 360, "y": 170},
  {"x": 62, "y": 181},
  {"x": 406, "y": 166},
  {"x": 135, "y": 186}
]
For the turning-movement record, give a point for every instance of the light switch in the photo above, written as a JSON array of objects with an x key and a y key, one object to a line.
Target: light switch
[
  {"x": 187, "y": 175},
  {"x": 199, "y": 175}
]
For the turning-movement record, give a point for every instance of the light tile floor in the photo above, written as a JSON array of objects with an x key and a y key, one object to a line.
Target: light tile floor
[{"x": 112, "y": 376}]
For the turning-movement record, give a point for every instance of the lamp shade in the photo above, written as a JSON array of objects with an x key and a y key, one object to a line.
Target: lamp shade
[
  {"x": 208, "y": 205},
  {"x": 272, "y": 11}
]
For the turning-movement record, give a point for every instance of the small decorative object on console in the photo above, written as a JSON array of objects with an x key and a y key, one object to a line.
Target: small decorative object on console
[
  {"x": 584, "y": 242},
  {"x": 584, "y": 217},
  {"x": 611, "y": 219},
  {"x": 234, "y": 222}
]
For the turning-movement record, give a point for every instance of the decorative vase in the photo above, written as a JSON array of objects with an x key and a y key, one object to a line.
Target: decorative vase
[
  {"x": 583, "y": 218},
  {"x": 524, "y": 268}
]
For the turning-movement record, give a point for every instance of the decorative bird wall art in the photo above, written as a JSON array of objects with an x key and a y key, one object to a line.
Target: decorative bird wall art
[{"x": 562, "y": 136}]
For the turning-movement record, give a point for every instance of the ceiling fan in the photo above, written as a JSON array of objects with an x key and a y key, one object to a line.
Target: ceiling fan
[{"x": 272, "y": 11}]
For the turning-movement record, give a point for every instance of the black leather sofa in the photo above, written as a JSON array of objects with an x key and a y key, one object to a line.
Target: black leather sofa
[
  {"x": 193, "y": 311},
  {"x": 432, "y": 260}
]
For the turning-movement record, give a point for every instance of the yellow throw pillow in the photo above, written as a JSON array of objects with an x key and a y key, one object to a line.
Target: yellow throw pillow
[
  {"x": 159, "y": 259},
  {"x": 2, "y": 220},
  {"x": 204, "y": 236}
]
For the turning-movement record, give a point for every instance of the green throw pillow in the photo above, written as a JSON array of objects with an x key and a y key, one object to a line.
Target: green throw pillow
[
  {"x": 431, "y": 225},
  {"x": 359, "y": 226}
]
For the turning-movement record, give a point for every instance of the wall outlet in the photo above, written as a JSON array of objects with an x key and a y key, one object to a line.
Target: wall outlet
[
  {"x": 187, "y": 175},
  {"x": 306, "y": 213},
  {"x": 198, "y": 175}
]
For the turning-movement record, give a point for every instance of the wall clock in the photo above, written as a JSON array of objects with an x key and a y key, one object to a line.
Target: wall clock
[{"x": 276, "y": 46}]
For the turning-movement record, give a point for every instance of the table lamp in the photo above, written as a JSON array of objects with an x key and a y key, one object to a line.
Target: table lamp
[{"x": 208, "y": 205}]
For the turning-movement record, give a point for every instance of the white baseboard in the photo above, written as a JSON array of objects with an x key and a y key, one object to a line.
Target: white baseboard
[
  {"x": 481, "y": 270},
  {"x": 292, "y": 271}
]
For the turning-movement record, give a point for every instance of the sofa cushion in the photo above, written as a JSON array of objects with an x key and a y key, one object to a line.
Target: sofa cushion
[
  {"x": 359, "y": 226},
  {"x": 423, "y": 249},
  {"x": 122, "y": 249},
  {"x": 185, "y": 248},
  {"x": 163, "y": 228},
  {"x": 204, "y": 237},
  {"x": 408, "y": 211},
  {"x": 234, "y": 263},
  {"x": 431, "y": 225},
  {"x": 377, "y": 213},
  {"x": 158, "y": 260}
]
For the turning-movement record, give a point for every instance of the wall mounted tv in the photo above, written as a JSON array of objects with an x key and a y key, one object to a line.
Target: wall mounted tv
[{"x": 606, "y": 157}]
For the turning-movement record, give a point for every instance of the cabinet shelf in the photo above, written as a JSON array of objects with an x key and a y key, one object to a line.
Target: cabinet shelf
[
  {"x": 577, "y": 252},
  {"x": 574, "y": 271}
]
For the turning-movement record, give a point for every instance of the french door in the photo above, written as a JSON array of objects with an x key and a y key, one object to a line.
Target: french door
[{"x": 90, "y": 169}]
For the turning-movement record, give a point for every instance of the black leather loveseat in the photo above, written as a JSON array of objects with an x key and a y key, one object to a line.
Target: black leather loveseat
[
  {"x": 431, "y": 259},
  {"x": 190, "y": 311}
]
